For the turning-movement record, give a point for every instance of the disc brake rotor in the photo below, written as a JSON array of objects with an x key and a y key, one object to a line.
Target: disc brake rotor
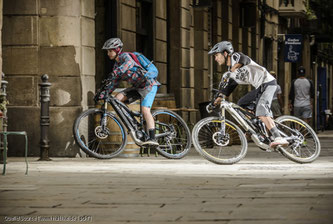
[
  {"x": 100, "y": 133},
  {"x": 220, "y": 140}
]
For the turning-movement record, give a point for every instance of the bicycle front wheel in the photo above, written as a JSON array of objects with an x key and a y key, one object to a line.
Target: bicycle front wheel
[
  {"x": 172, "y": 134},
  {"x": 100, "y": 141},
  {"x": 305, "y": 146},
  {"x": 209, "y": 142}
]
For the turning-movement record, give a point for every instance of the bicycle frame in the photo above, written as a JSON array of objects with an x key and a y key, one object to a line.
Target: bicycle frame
[
  {"x": 244, "y": 122},
  {"x": 230, "y": 108},
  {"x": 128, "y": 118}
]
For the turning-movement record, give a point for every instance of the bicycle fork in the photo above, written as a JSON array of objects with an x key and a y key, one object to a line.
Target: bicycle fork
[
  {"x": 102, "y": 131},
  {"x": 104, "y": 116},
  {"x": 222, "y": 128}
]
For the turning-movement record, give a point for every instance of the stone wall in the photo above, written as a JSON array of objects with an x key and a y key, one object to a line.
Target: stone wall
[
  {"x": 1, "y": 2},
  {"x": 186, "y": 91},
  {"x": 161, "y": 50},
  {"x": 46, "y": 37},
  {"x": 58, "y": 38},
  {"x": 127, "y": 23},
  {"x": 200, "y": 54}
]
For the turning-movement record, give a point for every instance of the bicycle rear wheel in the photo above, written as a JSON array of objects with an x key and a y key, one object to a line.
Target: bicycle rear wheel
[
  {"x": 206, "y": 140},
  {"x": 98, "y": 141},
  {"x": 172, "y": 134},
  {"x": 305, "y": 147}
]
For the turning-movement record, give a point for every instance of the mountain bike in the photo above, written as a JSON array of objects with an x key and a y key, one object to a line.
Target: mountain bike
[
  {"x": 102, "y": 134},
  {"x": 221, "y": 141}
]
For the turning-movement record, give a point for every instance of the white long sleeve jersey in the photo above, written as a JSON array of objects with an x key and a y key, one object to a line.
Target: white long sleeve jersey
[{"x": 250, "y": 72}]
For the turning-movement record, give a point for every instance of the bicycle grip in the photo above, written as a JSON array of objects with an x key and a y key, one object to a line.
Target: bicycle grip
[{"x": 209, "y": 108}]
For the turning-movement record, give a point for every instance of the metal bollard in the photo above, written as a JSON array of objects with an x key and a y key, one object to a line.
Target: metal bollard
[
  {"x": 44, "y": 118},
  {"x": 3, "y": 98}
]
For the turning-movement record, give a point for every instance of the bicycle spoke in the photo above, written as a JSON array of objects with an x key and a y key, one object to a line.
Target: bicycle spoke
[
  {"x": 304, "y": 146},
  {"x": 174, "y": 136},
  {"x": 219, "y": 154},
  {"x": 102, "y": 141}
]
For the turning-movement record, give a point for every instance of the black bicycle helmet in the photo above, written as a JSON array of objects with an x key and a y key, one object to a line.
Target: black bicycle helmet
[
  {"x": 221, "y": 47},
  {"x": 112, "y": 43},
  {"x": 301, "y": 71}
]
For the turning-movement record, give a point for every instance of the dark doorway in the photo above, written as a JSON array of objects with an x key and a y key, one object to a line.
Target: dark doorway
[
  {"x": 144, "y": 28},
  {"x": 105, "y": 28},
  {"x": 268, "y": 54},
  {"x": 322, "y": 98},
  {"x": 110, "y": 28}
]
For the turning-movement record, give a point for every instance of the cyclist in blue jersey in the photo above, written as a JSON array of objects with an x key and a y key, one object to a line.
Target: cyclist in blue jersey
[{"x": 143, "y": 86}]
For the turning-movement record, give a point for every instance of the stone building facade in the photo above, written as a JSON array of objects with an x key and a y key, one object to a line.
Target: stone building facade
[
  {"x": 1, "y": 3},
  {"x": 64, "y": 38},
  {"x": 55, "y": 38}
]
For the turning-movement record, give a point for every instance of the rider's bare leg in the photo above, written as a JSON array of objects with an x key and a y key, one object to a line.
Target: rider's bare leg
[
  {"x": 268, "y": 121},
  {"x": 150, "y": 123},
  {"x": 278, "y": 140}
]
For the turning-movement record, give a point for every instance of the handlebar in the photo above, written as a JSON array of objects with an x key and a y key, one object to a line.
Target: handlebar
[
  {"x": 103, "y": 90},
  {"x": 210, "y": 107}
]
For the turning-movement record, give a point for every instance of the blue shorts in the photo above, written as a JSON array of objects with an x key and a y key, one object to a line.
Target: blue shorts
[
  {"x": 149, "y": 99},
  {"x": 134, "y": 94}
]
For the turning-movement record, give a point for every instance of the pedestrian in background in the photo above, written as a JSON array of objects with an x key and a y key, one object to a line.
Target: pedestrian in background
[
  {"x": 301, "y": 96},
  {"x": 277, "y": 99}
]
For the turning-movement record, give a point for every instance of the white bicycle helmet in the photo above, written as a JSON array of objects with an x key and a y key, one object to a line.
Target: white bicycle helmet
[
  {"x": 221, "y": 47},
  {"x": 112, "y": 43}
]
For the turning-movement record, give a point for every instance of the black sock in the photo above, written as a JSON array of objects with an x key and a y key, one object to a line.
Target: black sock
[
  {"x": 275, "y": 132},
  {"x": 152, "y": 133}
]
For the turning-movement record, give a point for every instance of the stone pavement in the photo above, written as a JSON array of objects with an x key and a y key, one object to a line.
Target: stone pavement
[
  {"x": 325, "y": 134},
  {"x": 264, "y": 188}
]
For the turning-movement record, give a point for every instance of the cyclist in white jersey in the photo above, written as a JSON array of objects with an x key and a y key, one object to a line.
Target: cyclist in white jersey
[{"x": 243, "y": 70}]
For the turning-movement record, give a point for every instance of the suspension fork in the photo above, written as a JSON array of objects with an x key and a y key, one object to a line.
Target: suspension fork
[
  {"x": 104, "y": 115},
  {"x": 222, "y": 128}
]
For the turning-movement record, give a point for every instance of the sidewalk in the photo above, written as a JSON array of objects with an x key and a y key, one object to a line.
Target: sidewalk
[
  {"x": 262, "y": 188},
  {"x": 325, "y": 134}
]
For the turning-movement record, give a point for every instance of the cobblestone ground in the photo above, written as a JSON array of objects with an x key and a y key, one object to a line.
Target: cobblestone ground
[{"x": 264, "y": 188}]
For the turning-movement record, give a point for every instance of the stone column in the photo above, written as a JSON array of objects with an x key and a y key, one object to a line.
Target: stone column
[
  {"x": 186, "y": 88},
  {"x": 161, "y": 44},
  {"x": 330, "y": 75},
  {"x": 1, "y": 125},
  {"x": 201, "y": 56},
  {"x": 1, "y": 2},
  {"x": 174, "y": 48},
  {"x": 46, "y": 37},
  {"x": 287, "y": 84}
]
